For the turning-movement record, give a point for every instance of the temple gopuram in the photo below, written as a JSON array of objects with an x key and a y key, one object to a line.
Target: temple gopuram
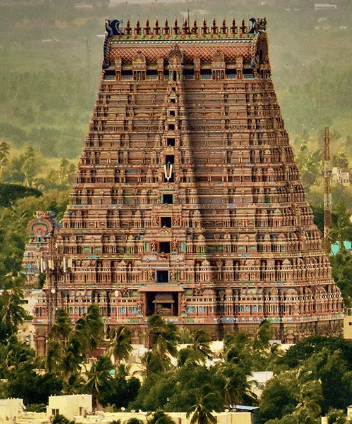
[{"x": 187, "y": 201}]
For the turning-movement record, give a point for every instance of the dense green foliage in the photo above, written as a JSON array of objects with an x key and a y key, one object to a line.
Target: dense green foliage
[
  {"x": 20, "y": 198},
  {"x": 13, "y": 227},
  {"x": 61, "y": 419},
  {"x": 67, "y": 368},
  {"x": 312, "y": 378},
  {"x": 9, "y": 193}
]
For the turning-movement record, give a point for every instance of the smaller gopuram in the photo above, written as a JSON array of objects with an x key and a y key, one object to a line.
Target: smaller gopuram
[
  {"x": 40, "y": 247},
  {"x": 187, "y": 201}
]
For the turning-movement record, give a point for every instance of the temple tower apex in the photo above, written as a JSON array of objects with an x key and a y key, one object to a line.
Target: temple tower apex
[{"x": 187, "y": 200}]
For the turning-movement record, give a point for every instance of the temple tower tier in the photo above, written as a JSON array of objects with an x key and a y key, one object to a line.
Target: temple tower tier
[{"x": 187, "y": 200}]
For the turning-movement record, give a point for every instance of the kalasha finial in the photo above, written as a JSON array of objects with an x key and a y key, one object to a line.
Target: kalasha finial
[
  {"x": 166, "y": 28},
  {"x": 185, "y": 28},
  {"x": 214, "y": 28},
  {"x": 243, "y": 27},
  {"x": 223, "y": 28},
  {"x": 156, "y": 28},
  {"x": 233, "y": 27},
  {"x": 204, "y": 27},
  {"x": 138, "y": 29},
  {"x": 176, "y": 27},
  {"x": 195, "y": 27},
  {"x": 147, "y": 27},
  {"x": 128, "y": 28}
]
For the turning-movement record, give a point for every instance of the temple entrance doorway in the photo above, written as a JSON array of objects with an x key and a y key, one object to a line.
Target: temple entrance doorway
[{"x": 163, "y": 304}]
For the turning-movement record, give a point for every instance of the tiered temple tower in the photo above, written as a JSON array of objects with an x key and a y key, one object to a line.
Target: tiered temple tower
[{"x": 187, "y": 200}]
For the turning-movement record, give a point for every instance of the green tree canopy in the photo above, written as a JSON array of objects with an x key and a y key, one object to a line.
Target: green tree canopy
[
  {"x": 120, "y": 346},
  {"x": 12, "y": 313}
]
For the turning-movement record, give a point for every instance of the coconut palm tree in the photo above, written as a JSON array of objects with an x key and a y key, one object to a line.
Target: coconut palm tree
[
  {"x": 53, "y": 357},
  {"x": 95, "y": 326},
  {"x": 62, "y": 326},
  {"x": 198, "y": 351},
  {"x": 56, "y": 348},
  {"x": 341, "y": 228},
  {"x": 238, "y": 349},
  {"x": 264, "y": 333},
  {"x": 159, "y": 417},
  {"x": 163, "y": 336},
  {"x": 236, "y": 386},
  {"x": 89, "y": 330},
  {"x": 16, "y": 354},
  {"x": 201, "y": 345},
  {"x": 120, "y": 344},
  {"x": 202, "y": 411},
  {"x": 72, "y": 360},
  {"x": 99, "y": 379},
  {"x": 12, "y": 314},
  {"x": 152, "y": 364}
]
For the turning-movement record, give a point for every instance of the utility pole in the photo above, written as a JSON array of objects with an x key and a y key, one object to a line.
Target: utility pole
[
  {"x": 53, "y": 276},
  {"x": 327, "y": 190}
]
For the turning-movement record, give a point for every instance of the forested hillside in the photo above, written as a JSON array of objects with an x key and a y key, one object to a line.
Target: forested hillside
[{"x": 51, "y": 59}]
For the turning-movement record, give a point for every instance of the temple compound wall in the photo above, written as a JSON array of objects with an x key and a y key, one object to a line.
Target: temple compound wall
[{"x": 187, "y": 201}]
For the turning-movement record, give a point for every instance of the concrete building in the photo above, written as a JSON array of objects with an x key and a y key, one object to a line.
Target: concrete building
[
  {"x": 321, "y": 6},
  {"x": 340, "y": 176},
  {"x": 79, "y": 408},
  {"x": 69, "y": 406},
  {"x": 10, "y": 410},
  {"x": 107, "y": 417},
  {"x": 347, "y": 324}
]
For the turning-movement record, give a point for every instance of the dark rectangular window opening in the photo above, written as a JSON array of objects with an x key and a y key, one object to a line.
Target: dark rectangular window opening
[
  {"x": 164, "y": 247},
  {"x": 170, "y": 159},
  {"x": 205, "y": 71},
  {"x": 173, "y": 100},
  {"x": 162, "y": 276},
  {"x": 168, "y": 199},
  {"x": 172, "y": 113},
  {"x": 152, "y": 72},
  {"x": 171, "y": 127},
  {"x": 171, "y": 142},
  {"x": 166, "y": 221},
  {"x": 126, "y": 72},
  {"x": 188, "y": 72},
  {"x": 109, "y": 73}
]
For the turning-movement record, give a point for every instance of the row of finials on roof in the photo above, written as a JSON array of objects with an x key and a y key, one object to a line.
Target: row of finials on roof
[{"x": 256, "y": 24}]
